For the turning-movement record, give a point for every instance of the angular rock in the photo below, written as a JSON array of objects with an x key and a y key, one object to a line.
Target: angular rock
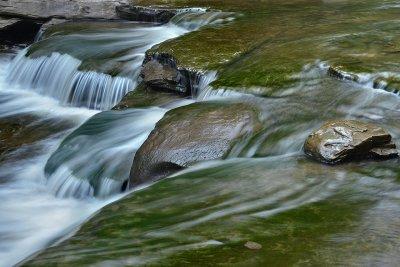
[
  {"x": 160, "y": 72},
  {"x": 146, "y": 14},
  {"x": 72, "y": 9},
  {"x": 190, "y": 134},
  {"x": 345, "y": 140}
]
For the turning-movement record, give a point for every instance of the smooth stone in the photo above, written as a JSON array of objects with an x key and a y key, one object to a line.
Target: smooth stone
[
  {"x": 253, "y": 245},
  {"x": 344, "y": 140},
  {"x": 338, "y": 73},
  {"x": 193, "y": 133}
]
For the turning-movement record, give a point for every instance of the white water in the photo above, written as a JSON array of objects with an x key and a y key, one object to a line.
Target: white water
[
  {"x": 57, "y": 75},
  {"x": 36, "y": 210}
]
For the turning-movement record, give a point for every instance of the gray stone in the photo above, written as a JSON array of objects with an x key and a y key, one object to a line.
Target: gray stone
[
  {"x": 345, "y": 140},
  {"x": 72, "y": 9}
]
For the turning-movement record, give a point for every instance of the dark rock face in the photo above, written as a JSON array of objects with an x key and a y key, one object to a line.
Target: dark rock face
[
  {"x": 146, "y": 14},
  {"x": 72, "y": 9},
  {"x": 345, "y": 140},
  {"x": 190, "y": 134},
  {"x": 18, "y": 31},
  {"x": 160, "y": 72}
]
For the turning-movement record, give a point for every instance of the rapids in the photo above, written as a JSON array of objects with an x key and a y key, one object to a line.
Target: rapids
[
  {"x": 52, "y": 92},
  {"x": 62, "y": 173}
]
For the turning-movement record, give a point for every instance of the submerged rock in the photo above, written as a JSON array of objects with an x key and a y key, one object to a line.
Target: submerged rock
[
  {"x": 190, "y": 134},
  {"x": 146, "y": 14},
  {"x": 144, "y": 96},
  {"x": 160, "y": 72},
  {"x": 253, "y": 245},
  {"x": 345, "y": 140}
]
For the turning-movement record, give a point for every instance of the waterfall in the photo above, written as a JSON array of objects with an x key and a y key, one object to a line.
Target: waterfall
[{"x": 58, "y": 76}]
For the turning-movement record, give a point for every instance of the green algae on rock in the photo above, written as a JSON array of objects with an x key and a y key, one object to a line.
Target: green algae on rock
[
  {"x": 270, "y": 41},
  {"x": 144, "y": 96}
]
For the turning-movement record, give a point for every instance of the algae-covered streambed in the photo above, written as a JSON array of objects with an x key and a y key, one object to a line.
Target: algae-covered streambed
[{"x": 88, "y": 129}]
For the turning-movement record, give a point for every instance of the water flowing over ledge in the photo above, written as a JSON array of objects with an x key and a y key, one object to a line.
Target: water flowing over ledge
[{"x": 58, "y": 76}]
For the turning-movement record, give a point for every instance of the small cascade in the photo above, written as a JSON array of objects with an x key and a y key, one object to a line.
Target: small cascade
[
  {"x": 95, "y": 159},
  {"x": 58, "y": 76},
  {"x": 191, "y": 19}
]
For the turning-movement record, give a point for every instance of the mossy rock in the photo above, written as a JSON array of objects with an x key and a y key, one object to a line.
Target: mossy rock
[{"x": 269, "y": 42}]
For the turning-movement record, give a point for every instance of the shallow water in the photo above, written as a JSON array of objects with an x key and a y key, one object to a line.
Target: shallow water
[
  {"x": 46, "y": 98},
  {"x": 301, "y": 212}
]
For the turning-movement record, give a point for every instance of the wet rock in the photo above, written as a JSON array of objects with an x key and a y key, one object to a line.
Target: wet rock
[
  {"x": 72, "y": 9},
  {"x": 338, "y": 73},
  {"x": 160, "y": 72},
  {"x": 146, "y": 14},
  {"x": 144, "y": 96},
  {"x": 190, "y": 134},
  {"x": 18, "y": 31},
  {"x": 390, "y": 84},
  {"x": 344, "y": 140}
]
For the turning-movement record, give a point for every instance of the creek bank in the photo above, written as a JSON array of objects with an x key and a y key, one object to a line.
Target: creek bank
[
  {"x": 193, "y": 133},
  {"x": 346, "y": 140}
]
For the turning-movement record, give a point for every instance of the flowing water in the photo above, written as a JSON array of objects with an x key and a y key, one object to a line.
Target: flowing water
[
  {"x": 70, "y": 156},
  {"x": 48, "y": 95}
]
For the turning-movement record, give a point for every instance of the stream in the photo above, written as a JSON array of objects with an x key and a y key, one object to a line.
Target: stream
[{"x": 65, "y": 172}]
